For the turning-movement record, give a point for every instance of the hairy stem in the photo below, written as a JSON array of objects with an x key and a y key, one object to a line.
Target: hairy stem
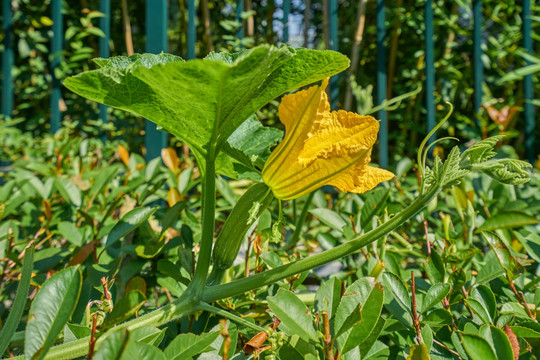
[
  {"x": 271, "y": 276},
  {"x": 208, "y": 218},
  {"x": 183, "y": 306}
]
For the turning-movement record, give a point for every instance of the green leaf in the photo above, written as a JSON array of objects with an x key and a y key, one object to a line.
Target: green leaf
[
  {"x": 71, "y": 233},
  {"x": 418, "y": 352},
  {"x": 368, "y": 343},
  {"x": 498, "y": 341},
  {"x": 50, "y": 310},
  {"x": 507, "y": 220},
  {"x": 68, "y": 190},
  {"x": 373, "y": 205},
  {"x": 253, "y": 141},
  {"x": 203, "y": 101},
  {"x": 435, "y": 268},
  {"x": 328, "y": 296},
  {"x": 477, "y": 347},
  {"x": 486, "y": 298},
  {"x": 125, "y": 308},
  {"x": 294, "y": 315},
  {"x": 129, "y": 222},
  {"x": 113, "y": 346},
  {"x": 185, "y": 346},
  {"x": 527, "y": 330},
  {"x": 358, "y": 313},
  {"x": 479, "y": 310},
  {"x": 396, "y": 286},
  {"x": 141, "y": 351},
  {"x": 329, "y": 218},
  {"x": 490, "y": 269},
  {"x": 296, "y": 349},
  {"x": 506, "y": 171},
  {"x": 519, "y": 73},
  {"x": 74, "y": 332},
  {"x": 435, "y": 295},
  {"x": 103, "y": 178},
  {"x": 16, "y": 311}
]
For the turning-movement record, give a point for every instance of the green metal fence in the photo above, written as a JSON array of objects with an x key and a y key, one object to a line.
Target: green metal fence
[{"x": 156, "y": 35}]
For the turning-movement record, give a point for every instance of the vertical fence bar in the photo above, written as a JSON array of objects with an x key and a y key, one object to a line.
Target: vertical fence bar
[
  {"x": 191, "y": 30},
  {"x": 56, "y": 59},
  {"x": 430, "y": 66},
  {"x": 333, "y": 34},
  {"x": 156, "y": 42},
  {"x": 528, "y": 89},
  {"x": 477, "y": 58},
  {"x": 7, "y": 59},
  {"x": 239, "y": 11},
  {"x": 104, "y": 49},
  {"x": 286, "y": 12},
  {"x": 381, "y": 83}
]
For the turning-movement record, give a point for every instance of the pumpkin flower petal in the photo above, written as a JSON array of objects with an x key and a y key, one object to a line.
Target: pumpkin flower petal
[{"x": 322, "y": 147}]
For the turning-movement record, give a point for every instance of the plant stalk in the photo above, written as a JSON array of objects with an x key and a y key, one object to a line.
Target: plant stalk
[
  {"x": 207, "y": 238},
  {"x": 271, "y": 276}
]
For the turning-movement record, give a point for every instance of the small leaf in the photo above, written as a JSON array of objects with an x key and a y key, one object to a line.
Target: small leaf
[
  {"x": 294, "y": 315},
  {"x": 329, "y": 218},
  {"x": 126, "y": 307},
  {"x": 328, "y": 296},
  {"x": 113, "y": 346},
  {"x": 50, "y": 310},
  {"x": 71, "y": 233},
  {"x": 418, "y": 352},
  {"x": 435, "y": 268},
  {"x": 373, "y": 205},
  {"x": 435, "y": 295},
  {"x": 69, "y": 191},
  {"x": 185, "y": 346},
  {"x": 129, "y": 222},
  {"x": 477, "y": 348},
  {"x": 507, "y": 220},
  {"x": 396, "y": 286}
]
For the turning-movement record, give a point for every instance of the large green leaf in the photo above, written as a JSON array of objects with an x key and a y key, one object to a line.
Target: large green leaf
[
  {"x": 203, "y": 101},
  {"x": 50, "y": 310},
  {"x": 294, "y": 315},
  {"x": 17, "y": 309}
]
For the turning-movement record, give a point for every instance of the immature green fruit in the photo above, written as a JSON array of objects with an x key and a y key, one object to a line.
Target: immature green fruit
[{"x": 246, "y": 211}]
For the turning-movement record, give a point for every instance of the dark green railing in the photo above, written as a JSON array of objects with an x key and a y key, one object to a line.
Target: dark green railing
[{"x": 156, "y": 28}]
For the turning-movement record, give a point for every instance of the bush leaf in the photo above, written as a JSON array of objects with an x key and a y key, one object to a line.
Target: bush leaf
[{"x": 50, "y": 311}]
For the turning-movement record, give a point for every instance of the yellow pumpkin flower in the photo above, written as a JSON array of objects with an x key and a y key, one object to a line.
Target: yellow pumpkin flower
[{"x": 321, "y": 147}]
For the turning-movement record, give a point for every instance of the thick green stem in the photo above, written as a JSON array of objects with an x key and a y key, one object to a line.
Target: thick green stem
[
  {"x": 271, "y": 276},
  {"x": 207, "y": 238}
]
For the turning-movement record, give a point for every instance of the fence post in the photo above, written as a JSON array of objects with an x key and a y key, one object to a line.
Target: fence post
[
  {"x": 191, "y": 30},
  {"x": 7, "y": 60},
  {"x": 56, "y": 59},
  {"x": 156, "y": 42},
  {"x": 477, "y": 58},
  {"x": 104, "y": 49},
  {"x": 239, "y": 11},
  {"x": 381, "y": 83},
  {"x": 528, "y": 89},
  {"x": 333, "y": 20},
  {"x": 430, "y": 67},
  {"x": 285, "y": 20}
]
